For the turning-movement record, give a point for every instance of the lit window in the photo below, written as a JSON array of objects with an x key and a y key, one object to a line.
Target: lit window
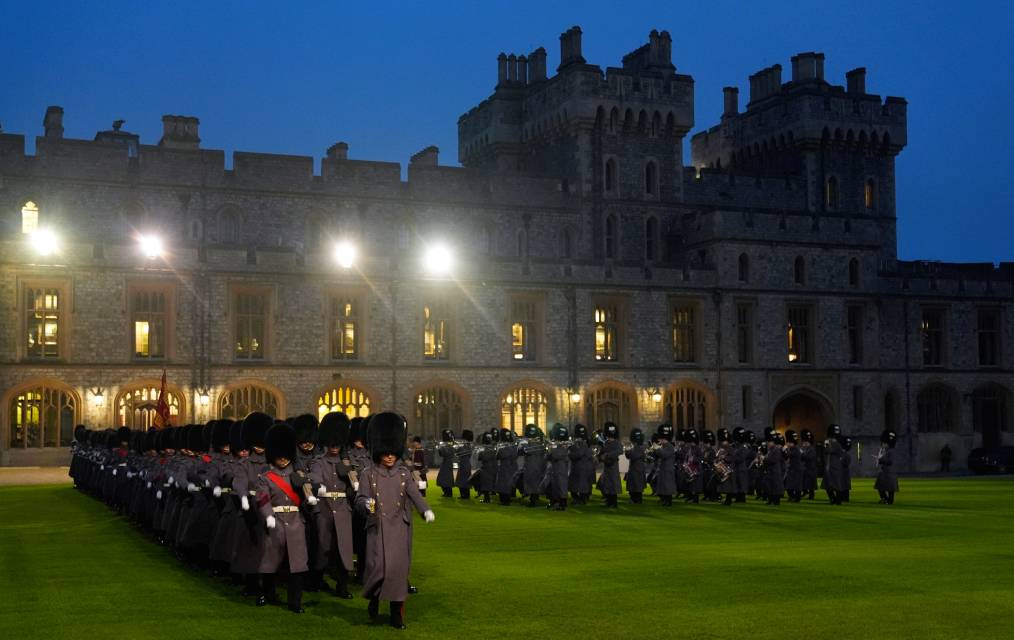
[
  {"x": 137, "y": 408},
  {"x": 240, "y": 402},
  {"x": 524, "y": 320},
  {"x": 869, "y": 195},
  {"x": 148, "y": 313},
  {"x": 251, "y": 325},
  {"x": 29, "y": 217},
  {"x": 831, "y": 193},
  {"x": 606, "y": 347},
  {"x": 683, "y": 334},
  {"x": 42, "y": 416},
  {"x": 436, "y": 409},
  {"x": 355, "y": 403},
  {"x": 524, "y": 406},
  {"x": 798, "y": 334},
  {"x": 344, "y": 335},
  {"x": 435, "y": 333},
  {"x": 42, "y": 323}
]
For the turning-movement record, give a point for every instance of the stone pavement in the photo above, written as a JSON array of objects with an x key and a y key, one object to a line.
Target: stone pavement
[{"x": 10, "y": 476}]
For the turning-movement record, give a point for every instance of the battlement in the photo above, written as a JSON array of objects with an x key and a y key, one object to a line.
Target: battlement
[{"x": 711, "y": 187}]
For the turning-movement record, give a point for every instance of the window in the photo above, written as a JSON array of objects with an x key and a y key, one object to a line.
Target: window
[
  {"x": 436, "y": 334},
  {"x": 857, "y": 402},
  {"x": 891, "y": 411},
  {"x": 799, "y": 270},
  {"x": 686, "y": 408},
  {"x": 43, "y": 317},
  {"x": 683, "y": 333},
  {"x": 651, "y": 239},
  {"x": 566, "y": 244},
  {"x": 989, "y": 409},
  {"x": 29, "y": 217},
  {"x": 524, "y": 329},
  {"x": 744, "y": 268},
  {"x": 854, "y": 272},
  {"x": 799, "y": 335},
  {"x": 606, "y": 333},
  {"x": 932, "y": 337},
  {"x": 353, "y": 402},
  {"x": 650, "y": 179},
  {"x": 854, "y": 331},
  {"x": 744, "y": 333},
  {"x": 43, "y": 415},
  {"x": 746, "y": 402},
  {"x": 988, "y": 335},
  {"x": 436, "y": 409},
  {"x": 242, "y": 401},
  {"x": 831, "y": 193},
  {"x": 148, "y": 314},
  {"x": 523, "y": 406},
  {"x": 936, "y": 409},
  {"x": 610, "y": 176},
  {"x": 250, "y": 328},
  {"x": 610, "y": 404},
  {"x": 228, "y": 226},
  {"x": 870, "y": 194},
  {"x": 611, "y": 240},
  {"x": 137, "y": 407},
  {"x": 345, "y": 335}
]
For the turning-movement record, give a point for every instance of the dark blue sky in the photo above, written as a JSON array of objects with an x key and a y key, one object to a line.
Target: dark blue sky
[{"x": 392, "y": 78}]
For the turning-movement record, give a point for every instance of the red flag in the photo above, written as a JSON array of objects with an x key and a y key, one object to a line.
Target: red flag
[{"x": 162, "y": 408}]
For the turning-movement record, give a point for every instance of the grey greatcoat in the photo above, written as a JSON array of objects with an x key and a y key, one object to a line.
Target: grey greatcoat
[
  {"x": 794, "y": 469},
  {"x": 741, "y": 467},
  {"x": 774, "y": 471},
  {"x": 249, "y": 532},
  {"x": 809, "y": 459},
  {"x": 535, "y": 467},
  {"x": 556, "y": 472},
  {"x": 834, "y": 473},
  {"x": 506, "y": 468},
  {"x": 229, "y": 516},
  {"x": 635, "y": 471},
  {"x": 609, "y": 481},
  {"x": 887, "y": 480},
  {"x": 487, "y": 469},
  {"x": 582, "y": 468},
  {"x": 388, "y": 529},
  {"x": 464, "y": 472},
  {"x": 445, "y": 474},
  {"x": 727, "y": 453},
  {"x": 665, "y": 476},
  {"x": 334, "y": 519},
  {"x": 288, "y": 538}
]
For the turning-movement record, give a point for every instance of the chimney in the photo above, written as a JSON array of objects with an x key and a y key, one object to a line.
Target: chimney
[
  {"x": 522, "y": 69},
  {"x": 179, "y": 132},
  {"x": 501, "y": 69},
  {"x": 512, "y": 69},
  {"x": 537, "y": 66},
  {"x": 338, "y": 151},
  {"x": 855, "y": 80},
  {"x": 804, "y": 67},
  {"x": 820, "y": 66},
  {"x": 774, "y": 79},
  {"x": 52, "y": 122},
  {"x": 731, "y": 95},
  {"x": 570, "y": 47},
  {"x": 665, "y": 49},
  {"x": 425, "y": 158},
  {"x": 654, "y": 54}
]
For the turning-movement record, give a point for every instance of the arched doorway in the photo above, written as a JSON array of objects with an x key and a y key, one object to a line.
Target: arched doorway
[
  {"x": 438, "y": 408},
  {"x": 349, "y": 399},
  {"x": 803, "y": 409},
  {"x": 137, "y": 406},
  {"x": 611, "y": 402},
  {"x": 243, "y": 399},
  {"x": 524, "y": 405},
  {"x": 689, "y": 405}
]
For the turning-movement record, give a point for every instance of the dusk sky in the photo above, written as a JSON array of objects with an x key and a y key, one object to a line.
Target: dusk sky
[{"x": 392, "y": 78}]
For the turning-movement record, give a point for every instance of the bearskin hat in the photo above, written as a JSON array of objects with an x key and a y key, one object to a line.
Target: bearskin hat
[
  {"x": 693, "y": 436},
  {"x": 123, "y": 435},
  {"x": 889, "y": 438},
  {"x": 532, "y": 431},
  {"x": 334, "y": 430},
  {"x": 255, "y": 428},
  {"x": 739, "y": 434},
  {"x": 181, "y": 437},
  {"x": 81, "y": 434},
  {"x": 846, "y": 442},
  {"x": 356, "y": 430},
  {"x": 467, "y": 435},
  {"x": 151, "y": 440},
  {"x": 636, "y": 435},
  {"x": 195, "y": 438},
  {"x": 791, "y": 436},
  {"x": 779, "y": 439},
  {"x": 487, "y": 438},
  {"x": 280, "y": 442},
  {"x": 447, "y": 435},
  {"x": 709, "y": 437},
  {"x": 806, "y": 435},
  {"x": 610, "y": 430},
  {"x": 305, "y": 427},
  {"x": 220, "y": 435},
  {"x": 506, "y": 435},
  {"x": 386, "y": 435},
  {"x": 235, "y": 436},
  {"x": 833, "y": 430},
  {"x": 750, "y": 437},
  {"x": 769, "y": 434},
  {"x": 665, "y": 432},
  {"x": 560, "y": 432},
  {"x": 580, "y": 431}
]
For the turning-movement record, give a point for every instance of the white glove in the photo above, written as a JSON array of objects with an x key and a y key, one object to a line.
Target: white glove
[
  {"x": 102, "y": 467},
  {"x": 148, "y": 486},
  {"x": 130, "y": 474},
  {"x": 217, "y": 492},
  {"x": 192, "y": 488},
  {"x": 429, "y": 516},
  {"x": 355, "y": 486},
  {"x": 245, "y": 503},
  {"x": 321, "y": 491},
  {"x": 114, "y": 473},
  {"x": 422, "y": 485},
  {"x": 158, "y": 494},
  {"x": 271, "y": 522},
  {"x": 312, "y": 500},
  {"x": 171, "y": 479},
  {"x": 207, "y": 483}
]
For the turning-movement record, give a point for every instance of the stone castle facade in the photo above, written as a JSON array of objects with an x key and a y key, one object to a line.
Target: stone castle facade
[{"x": 594, "y": 276}]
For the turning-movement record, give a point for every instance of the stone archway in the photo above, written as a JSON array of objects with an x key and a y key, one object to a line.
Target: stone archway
[{"x": 803, "y": 409}]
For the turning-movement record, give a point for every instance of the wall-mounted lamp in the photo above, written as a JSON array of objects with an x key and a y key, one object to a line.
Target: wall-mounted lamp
[
  {"x": 656, "y": 394},
  {"x": 203, "y": 396},
  {"x": 98, "y": 397},
  {"x": 575, "y": 396}
]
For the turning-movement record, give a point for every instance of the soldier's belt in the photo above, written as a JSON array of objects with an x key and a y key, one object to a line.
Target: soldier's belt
[
  {"x": 334, "y": 494},
  {"x": 226, "y": 490},
  {"x": 285, "y": 509},
  {"x": 252, "y": 492}
]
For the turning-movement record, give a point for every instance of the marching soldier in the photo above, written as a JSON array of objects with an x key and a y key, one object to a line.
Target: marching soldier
[
  {"x": 447, "y": 450},
  {"x": 834, "y": 470},
  {"x": 487, "y": 467},
  {"x": 609, "y": 481},
  {"x": 887, "y": 481},
  {"x": 846, "y": 468},
  {"x": 419, "y": 463},
  {"x": 248, "y": 543},
  {"x": 741, "y": 463},
  {"x": 725, "y": 467},
  {"x": 665, "y": 461},
  {"x": 636, "y": 473},
  {"x": 534, "y": 451},
  {"x": 808, "y": 456},
  {"x": 794, "y": 466},
  {"x": 330, "y": 474},
  {"x": 464, "y": 466},
  {"x": 507, "y": 467},
  {"x": 582, "y": 466},
  {"x": 774, "y": 470},
  {"x": 556, "y": 469}
]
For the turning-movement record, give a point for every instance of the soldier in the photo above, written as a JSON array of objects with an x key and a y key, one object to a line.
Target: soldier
[
  {"x": 794, "y": 466},
  {"x": 227, "y": 439},
  {"x": 609, "y": 481},
  {"x": 774, "y": 470},
  {"x": 636, "y": 476},
  {"x": 707, "y": 452},
  {"x": 360, "y": 459},
  {"x": 741, "y": 463},
  {"x": 248, "y": 541},
  {"x": 725, "y": 467},
  {"x": 487, "y": 467},
  {"x": 557, "y": 469},
  {"x": 305, "y": 427},
  {"x": 582, "y": 466},
  {"x": 693, "y": 478},
  {"x": 278, "y": 500},
  {"x": 330, "y": 474},
  {"x": 665, "y": 460},
  {"x": 846, "y": 468},
  {"x": 887, "y": 481},
  {"x": 808, "y": 455},
  {"x": 419, "y": 463},
  {"x": 447, "y": 450},
  {"x": 534, "y": 451},
  {"x": 507, "y": 466},
  {"x": 387, "y": 495},
  {"x": 464, "y": 465},
  {"x": 833, "y": 482}
]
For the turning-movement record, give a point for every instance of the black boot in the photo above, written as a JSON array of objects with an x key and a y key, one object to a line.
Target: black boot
[
  {"x": 251, "y": 585},
  {"x": 485, "y": 497},
  {"x": 315, "y": 580},
  {"x": 296, "y": 592},
  {"x": 728, "y": 499},
  {"x": 447, "y": 492},
  {"x": 890, "y": 497},
  {"x": 636, "y": 497},
  {"x": 341, "y": 589},
  {"x": 466, "y": 493},
  {"x": 398, "y": 615},
  {"x": 268, "y": 594},
  {"x": 505, "y": 499},
  {"x": 533, "y": 500},
  {"x": 374, "y": 608}
]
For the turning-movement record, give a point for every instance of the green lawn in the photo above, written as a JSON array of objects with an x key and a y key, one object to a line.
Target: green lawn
[{"x": 938, "y": 564}]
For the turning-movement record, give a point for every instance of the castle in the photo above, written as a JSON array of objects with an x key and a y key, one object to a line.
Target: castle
[{"x": 572, "y": 270}]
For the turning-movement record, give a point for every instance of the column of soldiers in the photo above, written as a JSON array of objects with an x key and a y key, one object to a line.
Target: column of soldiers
[
  {"x": 260, "y": 497},
  {"x": 724, "y": 467}
]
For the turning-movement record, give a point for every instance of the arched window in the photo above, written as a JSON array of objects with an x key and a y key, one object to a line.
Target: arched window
[
  {"x": 870, "y": 194},
  {"x": 43, "y": 415},
  {"x": 686, "y": 407},
  {"x": 228, "y": 226},
  {"x": 831, "y": 193},
  {"x": 609, "y": 178},
  {"x": 651, "y": 239},
  {"x": 196, "y": 230},
  {"x": 937, "y": 408},
  {"x": 611, "y": 240},
  {"x": 240, "y": 402},
  {"x": 353, "y": 402},
  {"x": 650, "y": 178},
  {"x": 744, "y": 268},
  {"x": 799, "y": 270},
  {"x": 854, "y": 272},
  {"x": 29, "y": 217},
  {"x": 436, "y": 409},
  {"x": 611, "y": 404},
  {"x": 522, "y": 406},
  {"x": 614, "y": 117},
  {"x": 137, "y": 407}
]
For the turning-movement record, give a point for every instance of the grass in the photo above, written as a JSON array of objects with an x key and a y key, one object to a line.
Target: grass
[{"x": 938, "y": 564}]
